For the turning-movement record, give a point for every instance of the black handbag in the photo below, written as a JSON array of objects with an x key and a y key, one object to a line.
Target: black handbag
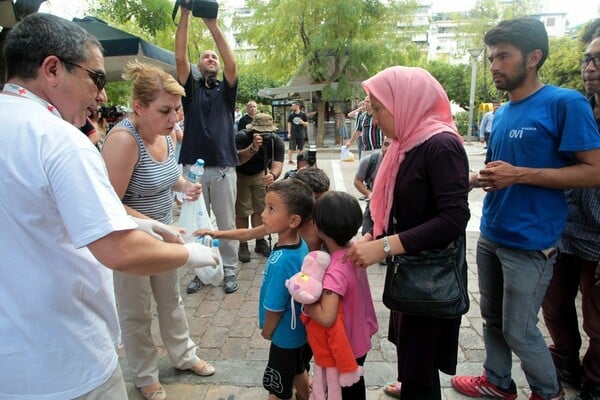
[{"x": 432, "y": 283}]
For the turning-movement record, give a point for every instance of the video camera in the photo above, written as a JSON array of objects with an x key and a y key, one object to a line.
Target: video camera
[
  {"x": 312, "y": 155},
  {"x": 200, "y": 8},
  {"x": 267, "y": 137},
  {"x": 113, "y": 113}
]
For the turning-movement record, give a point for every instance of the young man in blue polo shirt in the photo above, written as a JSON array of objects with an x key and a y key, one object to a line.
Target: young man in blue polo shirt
[{"x": 543, "y": 140}]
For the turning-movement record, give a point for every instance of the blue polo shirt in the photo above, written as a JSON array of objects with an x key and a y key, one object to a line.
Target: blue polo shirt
[{"x": 540, "y": 131}]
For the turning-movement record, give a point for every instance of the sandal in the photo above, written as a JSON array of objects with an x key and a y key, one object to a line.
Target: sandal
[
  {"x": 393, "y": 389},
  {"x": 203, "y": 368},
  {"x": 154, "y": 391}
]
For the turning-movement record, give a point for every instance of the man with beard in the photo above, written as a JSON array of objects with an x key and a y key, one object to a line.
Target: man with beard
[
  {"x": 578, "y": 267},
  {"x": 209, "y": 105},
  {"x": 544, "y": 139}
]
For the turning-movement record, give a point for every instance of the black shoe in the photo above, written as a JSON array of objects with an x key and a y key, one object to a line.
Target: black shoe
[
  {"x": 230, "y": 284},
  {"x": 568, "y": 368},
  {"x": 262, "y": 247},
  {"x": 244, "y": 253},
  {"x": 194, "y": 286},
  {"x": 570, "y": 378},
  {"x": 591, "y": 391}
]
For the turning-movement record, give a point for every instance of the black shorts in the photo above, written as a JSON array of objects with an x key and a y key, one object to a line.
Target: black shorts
[
  {"x": 296, "y": 143},
  {"x": 282, "y": 368}
]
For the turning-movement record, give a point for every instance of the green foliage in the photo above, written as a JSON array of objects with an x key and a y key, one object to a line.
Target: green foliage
[
  {"x": 562, "y": 66},
  {"x": 251, "y": 80},
  {"x": 118, "y": 93},
  {"x": 461, "y": 120},
  {"x": 335, "y": 41},
  {"x": 455, "y": 79},
  {"x": 142, "y": 17},
  {"x": 343, "y": 42}
]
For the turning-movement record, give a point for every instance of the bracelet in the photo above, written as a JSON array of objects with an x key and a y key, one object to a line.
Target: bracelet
[{"x": 252, "y": 149}]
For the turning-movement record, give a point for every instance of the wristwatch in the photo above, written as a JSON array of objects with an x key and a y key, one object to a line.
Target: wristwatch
[{"x": 386, "y": 247}]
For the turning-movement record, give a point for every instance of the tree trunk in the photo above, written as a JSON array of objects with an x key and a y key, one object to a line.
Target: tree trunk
[{"x": 320, "y": 123}]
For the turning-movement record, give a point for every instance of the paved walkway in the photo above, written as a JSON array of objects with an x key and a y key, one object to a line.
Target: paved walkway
[{"x": 225, "y": 326}]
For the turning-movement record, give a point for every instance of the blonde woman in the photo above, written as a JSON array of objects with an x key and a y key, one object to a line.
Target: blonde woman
[{"x": 140, "y": 157}]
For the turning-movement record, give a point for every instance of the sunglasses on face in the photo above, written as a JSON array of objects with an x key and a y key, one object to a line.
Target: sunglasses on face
[{"x": 99, "y": 78}]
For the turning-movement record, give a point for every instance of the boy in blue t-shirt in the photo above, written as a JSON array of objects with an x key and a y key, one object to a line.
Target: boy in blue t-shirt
[{"x": 289, "y": 204}]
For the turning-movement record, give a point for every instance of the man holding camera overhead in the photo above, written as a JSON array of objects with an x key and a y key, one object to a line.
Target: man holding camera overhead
[
  {"x": 209, "y": 105},
  {"x": 261, "y": 154}
]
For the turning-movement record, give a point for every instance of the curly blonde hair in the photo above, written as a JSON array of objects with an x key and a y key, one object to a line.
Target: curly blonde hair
[{"x": 148, "y": 81}]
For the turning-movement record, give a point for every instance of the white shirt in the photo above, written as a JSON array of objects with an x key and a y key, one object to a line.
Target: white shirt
[{"x": 58, "y": 321}]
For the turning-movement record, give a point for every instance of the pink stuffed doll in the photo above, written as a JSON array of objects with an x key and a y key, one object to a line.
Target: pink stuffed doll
[{"x": 335, "y": 365}]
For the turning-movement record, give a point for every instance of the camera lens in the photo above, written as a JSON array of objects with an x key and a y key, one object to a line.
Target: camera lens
[{"x": 312, "y": 154}]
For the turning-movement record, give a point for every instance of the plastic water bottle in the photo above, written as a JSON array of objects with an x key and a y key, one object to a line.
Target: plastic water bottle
[
  {"x": 210, "y": 275},
  {"x": 191, "y": 209}
]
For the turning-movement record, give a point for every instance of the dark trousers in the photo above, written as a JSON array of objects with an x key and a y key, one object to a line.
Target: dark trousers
[
  {"x": 571, "y": 273},
  {"x": 417, "y": 391},
  {"x": 357, "y": 391}
]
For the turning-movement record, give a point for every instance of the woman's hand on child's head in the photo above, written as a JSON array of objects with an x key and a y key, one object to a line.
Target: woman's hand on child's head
[{"x": 364, "y": 254}]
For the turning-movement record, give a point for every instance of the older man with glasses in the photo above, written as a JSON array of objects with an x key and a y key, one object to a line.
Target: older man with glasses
[{"x": 63, "y": 227}]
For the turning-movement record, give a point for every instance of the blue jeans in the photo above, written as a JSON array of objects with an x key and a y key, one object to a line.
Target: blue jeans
[{"x": 512, "y": 283}]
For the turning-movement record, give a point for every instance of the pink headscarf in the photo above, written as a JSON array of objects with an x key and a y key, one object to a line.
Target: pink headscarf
[{"x": 421, "y": 109}]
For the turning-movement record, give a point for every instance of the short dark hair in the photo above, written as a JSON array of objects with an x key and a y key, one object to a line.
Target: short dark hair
[
  {"x": 591, "y": 31},
  {"x": 303, "y": 156},
  {"x": 338, "y": 215},
  {"x": 297, "y": 196},
  {"x": 525, "y": 33},
  {"x": 315, "y": 178},
  {"x": 40, "y": 35}
]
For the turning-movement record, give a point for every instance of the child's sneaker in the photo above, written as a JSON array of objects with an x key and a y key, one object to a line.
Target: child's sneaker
[
  {"x": 559, "y": 396},
  {"x": 478, "y": 386}
]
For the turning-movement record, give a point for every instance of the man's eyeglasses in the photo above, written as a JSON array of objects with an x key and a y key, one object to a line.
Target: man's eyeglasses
[
  {"x": 99, "y": 78},
  {"x": 586, "y": 60}
]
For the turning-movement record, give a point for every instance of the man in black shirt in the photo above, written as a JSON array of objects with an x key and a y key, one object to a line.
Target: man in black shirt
[{"x": 261, "y": 153}]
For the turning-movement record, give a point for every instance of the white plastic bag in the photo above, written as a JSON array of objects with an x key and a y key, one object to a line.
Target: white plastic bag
[
  {"x": 345, "y": 154},
  {"x": 210, "y": 275},
  {"x": 194, "y": 216}
]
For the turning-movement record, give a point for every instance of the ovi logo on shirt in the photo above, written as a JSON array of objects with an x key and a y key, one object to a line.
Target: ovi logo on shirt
[{"x": 518, "y": 133}]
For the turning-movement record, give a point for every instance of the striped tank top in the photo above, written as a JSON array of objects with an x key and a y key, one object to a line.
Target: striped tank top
[{"x": 149, "y": 189}]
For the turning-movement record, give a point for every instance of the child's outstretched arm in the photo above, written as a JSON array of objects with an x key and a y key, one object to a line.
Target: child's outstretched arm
[
  {"x": 243, "y": 234},
  {"x": 271, "y": 320},
  {"x": 324, "y": 311}
]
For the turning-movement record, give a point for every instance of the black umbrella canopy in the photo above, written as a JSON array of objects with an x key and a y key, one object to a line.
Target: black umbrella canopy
[{"x": 121, "y": 47}]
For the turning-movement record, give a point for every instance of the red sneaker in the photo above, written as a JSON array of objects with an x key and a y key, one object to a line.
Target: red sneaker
[
  {"x": 478, "y": 386},
  {"x": 559, "y": 396}
]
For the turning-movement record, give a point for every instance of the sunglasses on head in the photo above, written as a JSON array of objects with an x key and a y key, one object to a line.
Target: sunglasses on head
[{"x": 99, "y": 78}]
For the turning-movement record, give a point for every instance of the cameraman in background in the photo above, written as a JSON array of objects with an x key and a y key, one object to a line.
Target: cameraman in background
[{"x": 261, "y": 153}]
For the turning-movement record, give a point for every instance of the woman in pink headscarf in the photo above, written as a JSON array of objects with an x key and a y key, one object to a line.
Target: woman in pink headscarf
[{"x": 419, "y": 202}]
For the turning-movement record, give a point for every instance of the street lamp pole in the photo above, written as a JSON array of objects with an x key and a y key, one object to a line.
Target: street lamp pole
[{"x": 474, "y": 54}]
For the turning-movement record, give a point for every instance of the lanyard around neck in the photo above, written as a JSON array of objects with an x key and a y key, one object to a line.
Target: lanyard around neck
[{"x": 22, "y": 92}]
